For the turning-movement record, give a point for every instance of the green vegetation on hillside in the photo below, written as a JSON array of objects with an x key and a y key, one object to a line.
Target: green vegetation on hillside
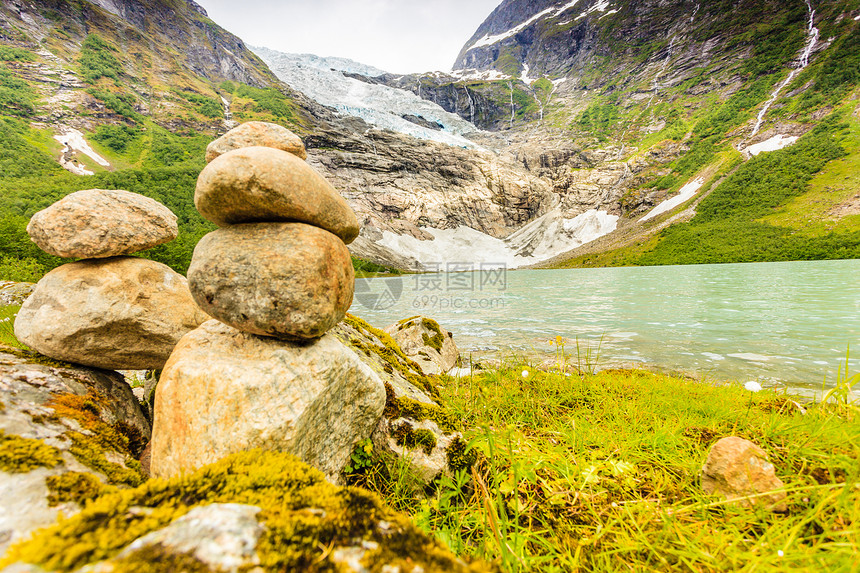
[
  {"x": 727, "y": 226},
  {"x": 97, "y": 60}
]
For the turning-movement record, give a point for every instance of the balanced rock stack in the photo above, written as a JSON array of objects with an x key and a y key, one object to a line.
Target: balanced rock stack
[
  {"x": 108, "y": 310},
  {"x": 277, "y": 276}
]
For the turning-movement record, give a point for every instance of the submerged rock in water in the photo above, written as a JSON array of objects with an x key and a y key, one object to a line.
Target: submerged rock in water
[
  {"x": 122, "y": 313},
  {"x": 99, "y": 223},
  {"x": 427, "y": 343},
  {"x": 737, "y": 468},
  {"x": 225, "y": 391},
  {"x": 64, "y": 433},
  {"x": 287, "y": 280},
  {"x": 257, "y": 133},
  {"x": 264, "y": 184}
]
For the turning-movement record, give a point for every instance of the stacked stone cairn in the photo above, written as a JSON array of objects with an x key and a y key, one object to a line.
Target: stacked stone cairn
[
  {"x": 108, "y": 310},
  {"x": 276, "y": 276}
]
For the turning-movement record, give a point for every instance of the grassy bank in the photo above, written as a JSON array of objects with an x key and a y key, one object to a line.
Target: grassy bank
[{"x": 600, "y": 471}]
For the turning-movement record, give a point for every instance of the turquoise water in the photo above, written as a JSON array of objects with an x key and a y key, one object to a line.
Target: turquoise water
[{"x": 783, "y": 324}]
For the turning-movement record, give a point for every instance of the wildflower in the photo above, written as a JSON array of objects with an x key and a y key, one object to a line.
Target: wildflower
[
  {"x": 781, "y": 553},
  {"x": 752, "y": 386},
  {"x": 525, "y": 373}
]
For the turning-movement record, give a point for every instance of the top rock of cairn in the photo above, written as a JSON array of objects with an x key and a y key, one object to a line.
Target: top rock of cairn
[{"x": 257, "y": 133}]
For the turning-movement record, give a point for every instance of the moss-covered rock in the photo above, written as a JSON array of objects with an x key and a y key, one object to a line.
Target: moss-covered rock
[
  {"x": 423, "y": 340},
  {"x": 414, "y": 426},
  {"x": 65, "y": 432},
  {"x": 308, "y": 524}
]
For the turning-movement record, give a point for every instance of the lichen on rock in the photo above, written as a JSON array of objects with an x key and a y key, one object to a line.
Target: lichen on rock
[{"x": 307, "y": 523}]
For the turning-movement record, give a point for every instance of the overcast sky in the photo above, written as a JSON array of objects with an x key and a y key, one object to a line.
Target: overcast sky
[{"x": 399, "y": 36}]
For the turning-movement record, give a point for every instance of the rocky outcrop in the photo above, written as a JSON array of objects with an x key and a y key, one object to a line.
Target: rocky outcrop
[
  {"x": 65, "y": 434},
  {"x": 287, "y": 513},
  {"x": 120, "y": 313},
  {"x": 100, "y": 223},
  {"x": 225, "y": 391},
  {"x": 428, "y": 344},
  {"x": 288, "y": 280},
  {"x": 739, "y": 470},
  {"x": 388, "y": 178}
]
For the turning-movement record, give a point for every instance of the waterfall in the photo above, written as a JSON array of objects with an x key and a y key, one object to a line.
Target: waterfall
[
  {"x": 471, "y": 105},
  {"x": 511, "y": 87},
  {"x": 812, "y": 39}
]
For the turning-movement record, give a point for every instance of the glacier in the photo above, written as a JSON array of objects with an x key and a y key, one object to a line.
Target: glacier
[
  {"x": 547, "y": 236},
  {"x": 323, "y": 79}
]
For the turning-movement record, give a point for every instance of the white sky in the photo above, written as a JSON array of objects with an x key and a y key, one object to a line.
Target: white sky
[{"x": 398, "y": 36}]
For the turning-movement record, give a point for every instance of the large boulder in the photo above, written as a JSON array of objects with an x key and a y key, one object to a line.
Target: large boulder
[
  {"x": 415, "y": 426},
  {"x": 225, "y": 391},
  {"x": 736, "y": 469},
  {"x": 264, "y": 184},
  {"x": 425, "y": 342},
  {"x": 287, "y": 280},
  {"x": 65, "y": 433},
  {"x": 257, "y": 133},
  {"x": 122, "y": 313},
  {"x": 253, "y": 511},
  {"x": 99, "y": 223}
]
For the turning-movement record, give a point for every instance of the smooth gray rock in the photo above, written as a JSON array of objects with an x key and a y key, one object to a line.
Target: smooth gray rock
[{"x": 99, "y": 223}]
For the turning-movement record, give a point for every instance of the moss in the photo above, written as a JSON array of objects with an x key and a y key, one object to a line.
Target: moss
[
  {"x": 21, "y": 455},
  {"x": 408, "y": 408},
  {"x": 407, "y": 436},
  {"x": 76, "y": 487},
  {"x": 460, "y": 456},
  {"x": 89, "y": 446},
  {"x": 90, "y": 451},
  {"x": 158, "y": 559},
  {"x": 302, "y": 513},
  {"x": 391, "y": 354}
]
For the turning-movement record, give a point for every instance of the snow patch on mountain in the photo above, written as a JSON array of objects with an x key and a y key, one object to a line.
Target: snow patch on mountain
[
  {"x": 324, "y": 80},
  {"x": 775, "y": 143},
  {"x": 73, "y": 143},
  {"x": 479, "y": 75},
  {"x": 684, "y": 194},
  {"x": 553, "y": 12},
  {"x": 539, "y": 240}
]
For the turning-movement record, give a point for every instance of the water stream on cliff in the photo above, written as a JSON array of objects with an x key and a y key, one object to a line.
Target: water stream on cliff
[{"x": 783, "y": 324}]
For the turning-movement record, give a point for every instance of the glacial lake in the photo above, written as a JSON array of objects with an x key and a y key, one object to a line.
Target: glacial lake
[{"x": 782, "y": 324}]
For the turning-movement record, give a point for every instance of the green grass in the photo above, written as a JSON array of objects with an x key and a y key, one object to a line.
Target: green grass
[{"x": 600, "y": 472}]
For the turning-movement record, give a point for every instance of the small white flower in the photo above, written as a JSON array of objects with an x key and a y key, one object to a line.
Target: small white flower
[
  {"x": 752, "y": 386},
  {"x": 525, "y": 373},
  {"x": 781, "y": 553}
]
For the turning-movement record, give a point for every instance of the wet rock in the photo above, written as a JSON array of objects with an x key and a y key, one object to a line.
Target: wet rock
[
  {"x": 99, "y": 223},
  {"x": 118, "y": 313},
  {"x": 264, "y": 184},
  {"x": 257, "y": 133},
  {"x": 44, "y": 412},
  {"x": 737, "y": 468},
  {"x": 425, "y": 342},
  {"x": 224, "y": 391},
  {"x": 287, "y": 280}
]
